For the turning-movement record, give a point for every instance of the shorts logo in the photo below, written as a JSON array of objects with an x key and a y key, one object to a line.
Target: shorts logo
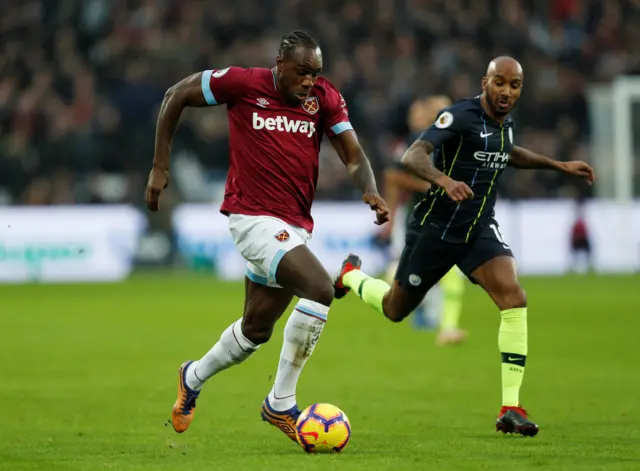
[
  {"x": 311, "y": 105},
  {"x": 445, "y": 120},
  {"x": 282, "y": 236},
  {"x": 415, "y": 280}
]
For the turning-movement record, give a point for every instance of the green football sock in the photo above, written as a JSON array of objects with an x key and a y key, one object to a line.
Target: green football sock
[
  {"x": 370, "y": 290},
  {"x": 452, "y": 285},
  {"x": 512, "y": 341}
]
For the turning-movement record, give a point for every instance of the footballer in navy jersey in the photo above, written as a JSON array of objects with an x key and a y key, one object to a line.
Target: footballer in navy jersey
[{"x": 472, "y": 142}]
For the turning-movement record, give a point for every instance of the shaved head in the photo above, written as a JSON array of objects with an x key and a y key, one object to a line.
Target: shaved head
[
  {"x": 502, "y": 85},
  {"x": 503, "y": 64}
]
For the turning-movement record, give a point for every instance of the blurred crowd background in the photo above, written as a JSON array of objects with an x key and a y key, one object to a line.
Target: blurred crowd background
[{"x": 81, "y": 82}]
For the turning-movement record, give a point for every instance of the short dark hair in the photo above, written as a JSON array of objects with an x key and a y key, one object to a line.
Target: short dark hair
[{"x": 292, "y": 40}]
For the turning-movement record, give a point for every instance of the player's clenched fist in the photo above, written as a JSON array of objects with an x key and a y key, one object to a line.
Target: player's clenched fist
[
  {"x": 158, "y": 181},
  {"x": 377, "y": 204},
  {"x": 457, "y": 191}
]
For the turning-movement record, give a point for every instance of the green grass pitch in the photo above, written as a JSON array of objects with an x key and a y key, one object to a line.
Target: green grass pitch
[{"x": 88, "y": 377}]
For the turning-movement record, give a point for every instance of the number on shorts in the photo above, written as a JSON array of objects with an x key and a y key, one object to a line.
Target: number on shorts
[{"x": 498, "y": 235}]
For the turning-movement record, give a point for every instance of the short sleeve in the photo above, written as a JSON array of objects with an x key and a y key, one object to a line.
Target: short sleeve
[
  {"x": 449, "y": 123},
  {"x": 511, "y": 133},
  {"x": 220, "y": 86},
  {"x": 336, "y": 113}
]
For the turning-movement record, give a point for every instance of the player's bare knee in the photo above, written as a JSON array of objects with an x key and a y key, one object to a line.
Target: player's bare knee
[
  {"x": 397, "y": 304},
  {"x": 394, "y": 316},
  {"x": 519, "y": 297},
  {"x": 513, "y": 296},
  {"x": 321, "y": 291},
  {"x": 393, "y": 311},
  {"x": 257, "y": 332}
]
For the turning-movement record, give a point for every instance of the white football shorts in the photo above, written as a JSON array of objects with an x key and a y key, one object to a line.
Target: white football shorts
[{"x": 263, "y": 241}]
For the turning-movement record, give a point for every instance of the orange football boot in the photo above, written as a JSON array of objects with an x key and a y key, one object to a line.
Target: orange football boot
[
  {"x": 185, "y": 406},
  {"x": 285, "y": 421}
]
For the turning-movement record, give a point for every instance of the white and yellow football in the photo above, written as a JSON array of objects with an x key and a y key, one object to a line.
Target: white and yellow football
[{"x": 323, "y": 428}]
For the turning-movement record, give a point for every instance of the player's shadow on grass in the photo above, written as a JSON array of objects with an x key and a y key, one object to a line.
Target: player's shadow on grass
[{"x": 498, "y": 436}]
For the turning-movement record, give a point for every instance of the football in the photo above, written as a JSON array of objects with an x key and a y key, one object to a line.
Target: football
[{"x": 323, "y": 428}]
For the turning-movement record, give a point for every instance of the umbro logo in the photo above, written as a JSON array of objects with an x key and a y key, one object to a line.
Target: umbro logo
[{"x": 262, "y": 102}]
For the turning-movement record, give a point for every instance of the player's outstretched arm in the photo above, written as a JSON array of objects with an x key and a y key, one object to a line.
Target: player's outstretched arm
[
  {"x": 523, "y": 158},
  {"x": 417, "y": 159},
  {"x": 186, "y": 93},
  {"x": 359, "y": 168}
]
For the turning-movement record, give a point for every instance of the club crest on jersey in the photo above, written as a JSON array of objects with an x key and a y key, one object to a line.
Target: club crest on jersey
[
  {"x": 282, "y": 236},
  {"x": 311, "y": 105}
]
